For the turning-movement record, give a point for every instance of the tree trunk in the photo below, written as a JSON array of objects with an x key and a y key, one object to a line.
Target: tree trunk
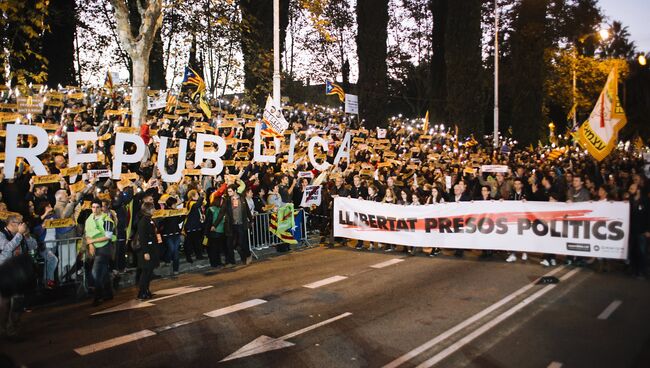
[
  {"x": 465, "y": 85},
  {"x": 527, "y": 72},
  {"x": 139, "y": 89},
  {"x": 438, "y": 105},
  {"x": 156, "y": 64},
  {"x": 372, "y": 34},
  {"x": 138, "y": 43},
  {"x": 58, "y": 43}
]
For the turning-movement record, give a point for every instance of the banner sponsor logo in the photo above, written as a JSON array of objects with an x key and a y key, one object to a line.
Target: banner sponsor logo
[{"x": 592, "y": 229}]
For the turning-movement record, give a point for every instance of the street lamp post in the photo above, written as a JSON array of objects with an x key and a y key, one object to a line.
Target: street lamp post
[
  {"x": 276, "y": 52},
  {"x": 496, "y": 74},
  {"x": 604, "y": 35}
]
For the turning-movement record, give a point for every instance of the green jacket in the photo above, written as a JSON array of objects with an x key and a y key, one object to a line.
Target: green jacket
[
  {"x": 214, "y": 213},
  {"x": 97, "y": 228}
]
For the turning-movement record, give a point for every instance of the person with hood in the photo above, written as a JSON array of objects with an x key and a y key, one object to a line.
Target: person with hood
[{"x": 150, "y": 241}]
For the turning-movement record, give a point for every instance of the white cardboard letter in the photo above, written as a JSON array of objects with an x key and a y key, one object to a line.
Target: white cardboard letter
[
  {"x": 121, "y": 157},
  {"x": 214, "y": 156},
  {"x": 29, "y": 154},
  {"x": 180, "y": 163},
  {"x": 310, "y": 152}
]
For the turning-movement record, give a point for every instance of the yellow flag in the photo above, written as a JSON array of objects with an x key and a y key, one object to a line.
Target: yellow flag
[
  {"x": 599, "y": 133},
  {"x": 425, "y": 127}
]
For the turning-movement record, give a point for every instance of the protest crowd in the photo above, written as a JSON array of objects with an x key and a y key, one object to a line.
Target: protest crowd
[{"x": 119, "y": 225}]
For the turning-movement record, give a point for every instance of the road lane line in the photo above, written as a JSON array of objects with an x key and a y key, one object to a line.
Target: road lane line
[
  {"x": 234, "y": 308},
  {"x": 327, "y": 281},
  {"x": 312, "y": 327},
  {"x": 445, "y": 335},
  {"x": 555, "y": 365},
  {"x": 89, "y": 349},
  {"x": 390, "y": 262},
  {"x": 610, "y": 309},
  {"x": 495, "y": 321}
]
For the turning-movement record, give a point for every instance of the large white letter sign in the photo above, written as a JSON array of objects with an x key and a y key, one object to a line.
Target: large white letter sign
[
  {"x": 344, "y": 150},
  {"x": 214, "y": 156},
  {"x": 121, "y": 157},
  {"x": 29, "y": 154},
  {"x": 310, "y": 152},
  {"x": 292, "y": 148},
  {"x": 257, "y": 154},
  {"x": 162, "y": 157},
  {"x": 76, "y": 158}
]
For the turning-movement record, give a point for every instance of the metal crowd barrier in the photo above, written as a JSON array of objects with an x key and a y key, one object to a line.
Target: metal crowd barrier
[
  {"x": 66, "y": 251},
  {"x": 259, "y": 237}
]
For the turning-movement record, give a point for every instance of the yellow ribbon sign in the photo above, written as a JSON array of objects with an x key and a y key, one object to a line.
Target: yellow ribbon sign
[
  {"x": 59, "y": 223},
  {"x": 46, "y": 179},
  {"x": 169, "y": 213}
]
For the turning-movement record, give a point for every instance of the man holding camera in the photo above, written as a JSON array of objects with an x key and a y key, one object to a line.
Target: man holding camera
[{"x": 16, "y": 271}]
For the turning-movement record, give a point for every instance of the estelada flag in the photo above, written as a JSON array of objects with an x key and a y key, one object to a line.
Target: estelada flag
[{"x": 599, "y": 133}]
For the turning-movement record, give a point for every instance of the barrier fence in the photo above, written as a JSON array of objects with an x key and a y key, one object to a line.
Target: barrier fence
[
  {"x": 259, "y": 237},
  {"x": 66, "y": 252}
]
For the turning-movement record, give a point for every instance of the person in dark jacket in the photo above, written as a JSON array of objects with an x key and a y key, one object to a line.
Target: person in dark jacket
[
  {"x": 460, "y": 196},
  {"x": 237, "y": 219},
  {"x": 194, "y": 226},
  {"x": 215, "y": 232},
  {"x": 170, "y": 229},
  {"x": 148, "y": 257},
  {"x": 639, "y": 230}
]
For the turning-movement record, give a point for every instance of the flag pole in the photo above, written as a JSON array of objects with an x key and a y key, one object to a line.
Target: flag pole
[
  {"x": 496, "y": 74},
  {"x": 276, "y": 52}
]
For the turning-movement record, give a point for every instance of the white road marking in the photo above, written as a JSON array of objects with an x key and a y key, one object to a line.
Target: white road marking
[
  {"x": 89, "y": 349},
  {"x": 234, "y": 308},
  {"x": 266, "y": 343},
  {"x": 610, "y": 309},
  {"x": 327, "y": 281},
  {"x": 495, "y": 321},
  {"x": 445, "y": 335},
  {"x": 555, "y": 365},
  {"x": 168, "y": 293},
  {"x": 390, "y": 262}
]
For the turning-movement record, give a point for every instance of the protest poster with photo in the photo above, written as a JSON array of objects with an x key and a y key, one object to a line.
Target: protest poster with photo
[{"x": 311, "y": 196}]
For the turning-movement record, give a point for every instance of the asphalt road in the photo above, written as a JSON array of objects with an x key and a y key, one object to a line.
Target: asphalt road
[{"x": 413, "y": 311}]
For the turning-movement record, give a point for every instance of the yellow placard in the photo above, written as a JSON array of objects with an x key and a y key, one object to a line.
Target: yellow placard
[
  {"x": 242, "y": 163},
  {"x": 78, "y": 186},
  {"x": 425, "y": 137},
  {"x": 231, "y": 116},
  {"x": 184, "y": 105},
  {"x": 197, "y": 115},
  {"x": 129, "y": 176},
  {"x": 242, "y": 155},
  {"x": 54, "y": 95},
  {"x": 229, "y": 163},
  {"x": 2, "y": 156},
  {"x": 70, "y": 171},
  {"x": 54, "y": 103},
  {"x": 76, "y": 96},
  {"x": 249, "y": 116},
  {"x": 57, "y": 149},
  {"x": 182, "y": 111},
  {"x": 384, "y": 164},
  {"x": 59, "y": 223},
  {"x": 390, "y": 154},
  {"x": 49, "y": 126},
  {"x": 199, "y": 130},
  {"x": 46, "y": 179},
  {"x": 366, "y": 173},
  {"x": 169, "y": 213},
  {"x": 5, "y": 214},
  {"x": 170, "y": 116},
  {"x": 8, "y": 106},
  {"x": 128, "y": 130},
  {"x": 105, "y": 137},
  {"x": 192, "y": 172},
  {"x": 87, "y": 205}
]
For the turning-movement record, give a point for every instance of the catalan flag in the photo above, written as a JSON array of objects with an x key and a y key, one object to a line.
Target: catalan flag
[
  {"x": 267, "y": 132},
  {"x": 557, "y": 153},
  {"x": 471, "y": 142},
  {"x": 108, "y": 83},
  {"x": 282, "y": 223},
  {"x": 192, "y": 78},
  {"x": 334, "y": 89},
  {"x": 171, "y": 102}
]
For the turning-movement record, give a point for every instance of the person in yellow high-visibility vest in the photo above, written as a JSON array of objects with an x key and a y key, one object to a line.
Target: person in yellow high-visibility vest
[{"x": 99, "y": 231}]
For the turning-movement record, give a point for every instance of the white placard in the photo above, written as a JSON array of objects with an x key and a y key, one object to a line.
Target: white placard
[
  {"x": 495, "y": 168},
  {"x": 351, "y": 104}
]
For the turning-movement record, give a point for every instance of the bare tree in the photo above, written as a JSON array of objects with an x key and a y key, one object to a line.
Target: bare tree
[{"x": 138, "y": 46}]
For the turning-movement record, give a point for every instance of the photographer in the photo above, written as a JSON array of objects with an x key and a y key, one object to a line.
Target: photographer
[{"x": 16, "y": 271}]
